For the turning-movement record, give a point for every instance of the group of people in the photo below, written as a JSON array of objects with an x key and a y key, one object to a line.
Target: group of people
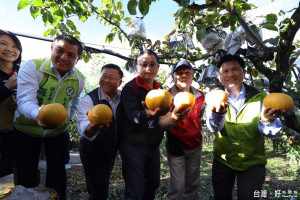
[{"x": 135, "y": 131}]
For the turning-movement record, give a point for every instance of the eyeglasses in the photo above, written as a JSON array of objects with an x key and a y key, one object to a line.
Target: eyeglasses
[
  {"x": 150, "y": 65},
  {"x": 110, "y": 78}
]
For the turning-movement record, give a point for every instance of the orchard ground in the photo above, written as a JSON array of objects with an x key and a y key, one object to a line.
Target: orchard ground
[{"x": 282, "y": 181}]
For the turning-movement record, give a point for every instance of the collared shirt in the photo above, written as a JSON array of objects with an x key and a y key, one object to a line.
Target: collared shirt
[
  {"x": 86, "y": 103},
  {"x": 28, "y": 85},
  {"x": 215, "y": 121}
]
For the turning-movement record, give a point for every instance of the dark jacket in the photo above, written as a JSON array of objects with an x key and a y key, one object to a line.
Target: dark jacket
[
  {"x": 107, "y": 141},
  {"x": 4, "y": 92},
  {"x": 137, "y": 128}
]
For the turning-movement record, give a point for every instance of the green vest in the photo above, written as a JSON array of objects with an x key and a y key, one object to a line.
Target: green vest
[
  {"x": 239, "y": 145},
  {"x": 51, "y": 91}
]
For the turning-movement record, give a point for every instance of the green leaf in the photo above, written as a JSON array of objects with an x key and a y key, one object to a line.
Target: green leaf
[
  {"x": 38, "y": 2},
  {"x": 271, "y": 27},
  {"x": 35, "y": 11},
  {"x": 186, "y": 16},
  {"x": 120, "y": 37},
  {"x": 58, "y": 14},
  {"x": 246, "y": 6},
  {"x": 289, "y": 82},
  {"x": 286, "y": 21},
  {"x": 127, "y": 65},
  {"x": 86, "y": 57},
  {"x": 272, "y": 18},
  {"x": 50, "y": 18},
  {"x": 199, "y": 22},
  {"x": 23, "y": 4},
  {"x": 210, "y": 18},
  {"x": 53, "y": 32},
  {"x": 127, "y": 19},
  {"x": 110, "y": 37},
  {"x": 297, "y": 85},
  {"x": 199, "y": 55},
  {"x": 83, "y": 18},
  {"x": 254, "y": 28},
  {"x": 53, "y": 7},
  {"x": 254, "y": 72},
  {"x": 105, "y": 2},
  {"x": 149, "y": 1},
  {"x": 274, "y": 41},
  {"x": 46, "y": 33},
  {"x": 200, "y": 34},
  {"x": 71, "y": 24},
  {"x": 119, "y": 5},
  {"x": 117, "y": 17},
  {"x": 131, "y": 6},
  {"x": 45, "y": 17},
  {"x": 232, "y": 20},
  {"x": 106, "y": 13},
  {"x": 143, "y": 7}
]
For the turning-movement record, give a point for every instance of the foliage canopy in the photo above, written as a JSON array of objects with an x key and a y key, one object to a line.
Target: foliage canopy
[{"x": 212, "y": 24}]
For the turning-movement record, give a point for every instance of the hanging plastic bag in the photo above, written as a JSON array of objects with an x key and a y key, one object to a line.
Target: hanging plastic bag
[
  {"x": 188, "y": 41},
  {"x": 139, "y": 28},
  {"x": 212, "y": 41},
  {"x": 181, "y": 40},
  {"x": 234, "y": 41},
  {"x": 172, "y": 43},
  {"x": 209, "y": 77}
]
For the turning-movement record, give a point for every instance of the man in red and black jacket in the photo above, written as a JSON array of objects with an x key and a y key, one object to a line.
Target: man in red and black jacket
[
  {"x": 184, "y": 140},
  {"x": 142, "y": 131}
]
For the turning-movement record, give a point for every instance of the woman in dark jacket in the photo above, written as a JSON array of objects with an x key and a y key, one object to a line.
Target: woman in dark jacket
[{"x": 10, "y": 58}]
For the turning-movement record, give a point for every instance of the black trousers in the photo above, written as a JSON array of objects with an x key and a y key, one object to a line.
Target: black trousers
[
  {"x": 97, "y": 165},
  {"x": 141, "y": 171},
  {"x": 248, "y": 181},
  {"x": 6, "y": 153},
  {"x": 26, "y": 160}
]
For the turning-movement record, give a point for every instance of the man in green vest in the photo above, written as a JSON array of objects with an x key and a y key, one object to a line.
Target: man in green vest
[
  {"x": 41, "y": 82},
  {"x": 240, "y": 127}
]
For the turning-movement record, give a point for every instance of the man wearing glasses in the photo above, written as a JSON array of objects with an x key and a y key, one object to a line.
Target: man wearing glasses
[
  {"x": 142, "y": 131},
  {"x": 99, "y": 144}
]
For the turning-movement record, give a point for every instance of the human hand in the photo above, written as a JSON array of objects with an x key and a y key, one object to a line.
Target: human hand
[
  {"x": 220, "y": 108},
  {"x": 157, "y": 112},
  {"x": 179, "y": 114},
  {"x": 271, "y": 114},
  {"x": 45, "y": 126},
  {"x": 92, "y": 129},
  {"x": 12, "y": 82}
]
